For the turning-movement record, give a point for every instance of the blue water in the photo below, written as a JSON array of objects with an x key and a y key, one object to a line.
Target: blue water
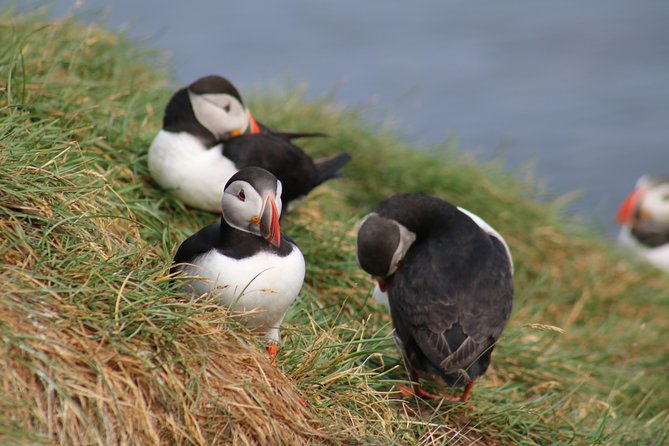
[{"x": 579, "y": 87}]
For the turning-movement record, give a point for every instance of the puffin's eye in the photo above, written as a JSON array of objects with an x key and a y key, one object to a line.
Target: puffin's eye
[
  {"x": 241, "y": 195},
  {"x": 227, "y": 108}
]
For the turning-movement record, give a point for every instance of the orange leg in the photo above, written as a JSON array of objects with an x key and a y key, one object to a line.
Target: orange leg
[
  {"x": 468, "y": 391},
  {"x": 416, "y": 389}
]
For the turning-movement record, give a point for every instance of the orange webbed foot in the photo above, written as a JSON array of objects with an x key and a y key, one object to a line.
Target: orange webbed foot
[
  {"x": 412, "y": 391},
  {"x": 273, "y": 349},
  {"x": 416, "y": 391}
]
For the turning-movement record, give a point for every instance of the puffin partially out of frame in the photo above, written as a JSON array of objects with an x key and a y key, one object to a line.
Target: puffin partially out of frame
[
  {"x": 644, "y": 215},
  {"x": 208, "y": 135},
  {"x": 448, "y": 279},
  {"x": 244, "y": 261}
]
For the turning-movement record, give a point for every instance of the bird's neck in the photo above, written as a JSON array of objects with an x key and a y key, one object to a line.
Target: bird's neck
[
  {"x": 650, "y": 235},
  {"x": 245, "y": 241}
]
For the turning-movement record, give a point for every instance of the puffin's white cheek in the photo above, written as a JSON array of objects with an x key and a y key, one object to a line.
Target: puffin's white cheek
[
  {"x": 656, "y": 207},
  {"x": 663, "y": 215}
]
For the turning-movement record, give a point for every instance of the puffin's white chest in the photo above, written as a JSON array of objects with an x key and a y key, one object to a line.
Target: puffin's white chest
[
  {"x": 264, "y": 285},
  {"x": 181, "y": 164},
  {"x": 658, "y": 256}
]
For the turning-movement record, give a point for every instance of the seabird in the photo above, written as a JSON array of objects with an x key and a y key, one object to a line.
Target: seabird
[
  {"x": 244, "y": 261},
  {"x": 448, "y": 279},
  {"x": 644, "y": 216},
  {"x": 208, "y": 135}
]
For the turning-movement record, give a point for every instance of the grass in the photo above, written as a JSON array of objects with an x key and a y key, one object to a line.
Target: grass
[{"x": 97, "y": 348}]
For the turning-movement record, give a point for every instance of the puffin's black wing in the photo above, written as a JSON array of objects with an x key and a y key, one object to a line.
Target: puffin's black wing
[
  {"x": 450, "y": 304},
  {"x": 197, "y": 244},
  {"x": 289, "y": 136}
]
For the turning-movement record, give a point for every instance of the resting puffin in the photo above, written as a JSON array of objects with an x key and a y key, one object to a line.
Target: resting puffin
[
  {"x": 448, "y": 278},
  {"x": 208, "y": 135},
  {"x": 244, "y": 261},
  {"x": 644, "y": 215}
]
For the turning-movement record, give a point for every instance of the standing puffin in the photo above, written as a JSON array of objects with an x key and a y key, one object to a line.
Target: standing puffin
[
  {"x": 448, "y": 279},
  {"x": 244, "y": 261},
  {"x": 208, "y": 135},
  {"x": 644, "y": 215}
]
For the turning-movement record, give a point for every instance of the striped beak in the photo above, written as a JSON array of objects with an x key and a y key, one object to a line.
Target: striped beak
[
  {"x": 269, "y": 221},
  {"x": 627, "y": 210},
  {"x": 251, "y": 127}
]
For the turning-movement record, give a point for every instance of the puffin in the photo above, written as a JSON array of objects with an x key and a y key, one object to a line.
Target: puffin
[
  {"x": 244, "y": 261},
  {"x": 447, "y": 278},
  {"x": 644, "y": 216},
  {"x": 208, "y": 135}
]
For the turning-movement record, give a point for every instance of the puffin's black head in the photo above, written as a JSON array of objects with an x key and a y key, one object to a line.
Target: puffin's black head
[
  {"x": 377, "y": 242},
  {"x": 381, "y": 245},
  {"x": 215, "y": 85},
  {"x": 209, "y": 108},
  {"x": 252, "y": 203}
]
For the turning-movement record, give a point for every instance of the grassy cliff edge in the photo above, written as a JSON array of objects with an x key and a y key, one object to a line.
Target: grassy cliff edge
[{"x": 98, "y": 348}]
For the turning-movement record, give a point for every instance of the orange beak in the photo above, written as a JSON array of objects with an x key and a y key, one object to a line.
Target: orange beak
[
  {"x": 255, "y": 128},
  {"x": 269, "y": 221},
  {"x": 628, "y": 207}
]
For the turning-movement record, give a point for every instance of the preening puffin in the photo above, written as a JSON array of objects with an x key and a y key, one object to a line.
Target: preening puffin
[
  {"x": 644, "y": 216},
  {"x": 208, "y": 135},
  {"x": 244, "y": 261},
  {"x": 448, "y": 278}
]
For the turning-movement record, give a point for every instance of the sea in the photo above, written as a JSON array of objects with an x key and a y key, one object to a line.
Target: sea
[{"x": 575, "y": 92}]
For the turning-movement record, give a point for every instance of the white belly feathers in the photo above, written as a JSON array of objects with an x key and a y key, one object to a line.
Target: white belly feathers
[
  {"x": 264, "y": 285},
  {"x": 181, "y": 164}
]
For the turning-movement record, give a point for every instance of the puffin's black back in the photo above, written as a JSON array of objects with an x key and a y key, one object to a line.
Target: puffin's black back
[
  {"x": 295, "y": 169},
  {"x": 289, "y": 136},
  {"x": 453, "y": 294}
]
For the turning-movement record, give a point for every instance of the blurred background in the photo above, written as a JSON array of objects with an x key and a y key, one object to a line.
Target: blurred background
[{"x": 580, "y": 89}]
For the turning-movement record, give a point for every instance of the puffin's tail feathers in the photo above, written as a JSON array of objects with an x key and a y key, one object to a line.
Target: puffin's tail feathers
[{"x": 328, "y": 168}]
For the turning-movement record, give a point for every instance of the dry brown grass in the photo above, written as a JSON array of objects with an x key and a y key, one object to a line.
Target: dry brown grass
[
  {"x": 73, "y": 385},
  {"x": 97, "y": 348}
]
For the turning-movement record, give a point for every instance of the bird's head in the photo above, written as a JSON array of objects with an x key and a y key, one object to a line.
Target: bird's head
[
  {"x": 252, "y": 203},
  {"x": 647, "y": 203},
  {"x": 381, "y": 246},
  {"x": 218, "y": 106}
]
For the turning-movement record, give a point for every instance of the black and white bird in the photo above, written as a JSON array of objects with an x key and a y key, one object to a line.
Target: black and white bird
[
  {"x": 208, "y": 135},
  {"x": 448, "y": 279},
  {"x": 644, "y": 216},
  {"x": 244, "y": 261}
]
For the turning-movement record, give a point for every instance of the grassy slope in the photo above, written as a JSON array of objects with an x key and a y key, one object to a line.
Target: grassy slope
[{"x": 97, "y": 348}]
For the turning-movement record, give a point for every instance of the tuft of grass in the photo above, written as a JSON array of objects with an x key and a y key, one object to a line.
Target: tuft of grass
[{"x": 98, "y": 348}]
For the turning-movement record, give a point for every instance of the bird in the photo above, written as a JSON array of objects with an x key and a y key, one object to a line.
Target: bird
[
  {"x": 244, "y": 261},
  {"x": 447, "y": 276},
  {"x": 644, "y": 216},
  {"x": 208, "y": 135}
]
